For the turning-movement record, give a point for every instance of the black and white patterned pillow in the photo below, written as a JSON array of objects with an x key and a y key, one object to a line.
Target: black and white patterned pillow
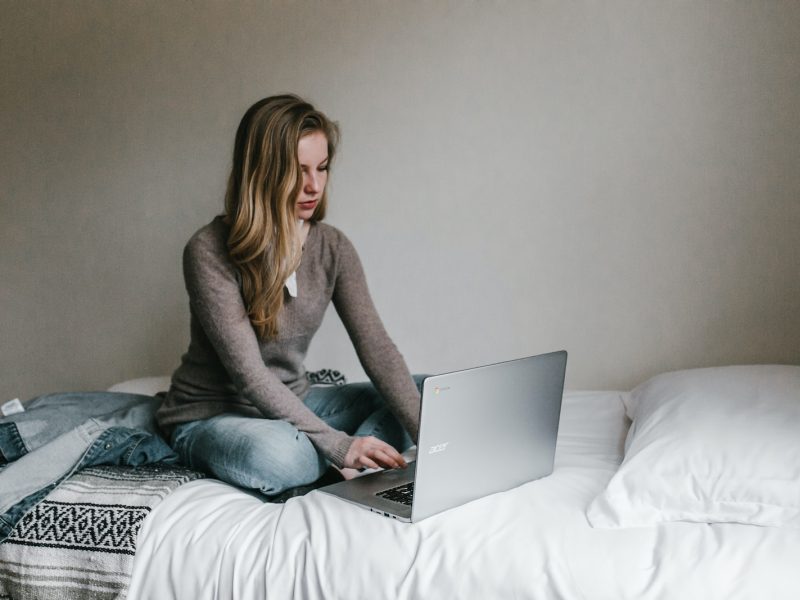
[{"x": 326, "y": 377}]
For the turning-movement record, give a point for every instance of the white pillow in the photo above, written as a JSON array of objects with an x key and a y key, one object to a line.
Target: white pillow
[{"x": 709, "y": 445}]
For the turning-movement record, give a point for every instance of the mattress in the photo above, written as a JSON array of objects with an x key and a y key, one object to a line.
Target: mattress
[{"x": 211, "y": 540}]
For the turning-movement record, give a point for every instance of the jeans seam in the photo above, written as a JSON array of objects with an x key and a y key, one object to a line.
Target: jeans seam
[{"x": 131, "y": 449}]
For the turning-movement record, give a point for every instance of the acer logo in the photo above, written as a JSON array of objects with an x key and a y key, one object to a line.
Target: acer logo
[{"x": 438, "y": 448}]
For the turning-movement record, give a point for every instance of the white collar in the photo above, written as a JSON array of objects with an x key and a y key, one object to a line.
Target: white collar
[{"x": 291, "y": 282}]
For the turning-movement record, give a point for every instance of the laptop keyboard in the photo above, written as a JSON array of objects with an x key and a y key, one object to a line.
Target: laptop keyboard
[{"x": 402, "y": 494}]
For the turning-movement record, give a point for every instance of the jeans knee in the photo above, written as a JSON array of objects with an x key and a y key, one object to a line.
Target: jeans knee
[
  {"x": 275, "y": 467},
  {"x": 257, "y": 454}
]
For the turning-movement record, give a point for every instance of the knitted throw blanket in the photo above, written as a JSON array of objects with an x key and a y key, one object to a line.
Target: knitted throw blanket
[{"x": 79, "y": 542}]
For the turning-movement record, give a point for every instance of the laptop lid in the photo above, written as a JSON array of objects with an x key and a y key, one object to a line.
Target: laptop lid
[
  {"x": 482, "y": 431},
  {"x": 486, "y": 430}
]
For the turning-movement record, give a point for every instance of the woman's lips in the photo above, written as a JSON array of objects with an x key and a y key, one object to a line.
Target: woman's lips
[{"x": 308, "y": 204}]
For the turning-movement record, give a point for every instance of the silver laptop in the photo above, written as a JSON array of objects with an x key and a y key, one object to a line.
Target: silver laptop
[{"x": 482, "y": 431}]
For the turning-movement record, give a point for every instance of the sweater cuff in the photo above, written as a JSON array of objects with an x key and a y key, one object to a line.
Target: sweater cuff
[{"x": 339, "y": 450}]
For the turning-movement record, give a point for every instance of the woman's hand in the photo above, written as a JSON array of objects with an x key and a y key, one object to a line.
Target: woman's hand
[{"x": 371, "y": 453}]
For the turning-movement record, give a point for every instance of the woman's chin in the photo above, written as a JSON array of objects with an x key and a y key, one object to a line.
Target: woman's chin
[{"x": 304, "y": 210}]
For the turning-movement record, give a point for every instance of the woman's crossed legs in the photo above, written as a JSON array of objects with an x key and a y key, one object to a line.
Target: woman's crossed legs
[{"x": 271, "y": 456}]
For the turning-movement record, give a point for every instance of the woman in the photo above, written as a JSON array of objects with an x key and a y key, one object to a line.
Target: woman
[{"x": 260, "y": 278}]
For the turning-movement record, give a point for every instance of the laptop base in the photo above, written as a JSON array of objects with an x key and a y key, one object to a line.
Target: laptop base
[{"x": 362, "y": 491}]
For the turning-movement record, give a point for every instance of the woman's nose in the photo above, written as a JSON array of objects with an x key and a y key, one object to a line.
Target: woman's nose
[{"x": 312, "y": 182}]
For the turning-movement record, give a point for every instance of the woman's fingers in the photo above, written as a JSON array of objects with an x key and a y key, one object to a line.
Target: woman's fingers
[
  {"x": 383, "y": 453},
  {"x": 368, "y": 463},
  {"x": 357, "y": 456},
  {"x": 389, "y": 458},
  {"x": 370, "y": 452}
]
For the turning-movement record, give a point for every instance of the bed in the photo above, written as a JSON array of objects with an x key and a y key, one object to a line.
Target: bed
[{"x": 596, "y": 528}]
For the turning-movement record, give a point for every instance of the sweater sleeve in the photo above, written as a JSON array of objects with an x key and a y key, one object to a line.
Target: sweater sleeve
[
  {"x": 216, "y": 300},
  {"x": 380, "y": 358}
]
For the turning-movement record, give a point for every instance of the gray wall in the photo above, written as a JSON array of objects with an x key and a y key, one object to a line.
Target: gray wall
[{"x": 620, "y": 179}]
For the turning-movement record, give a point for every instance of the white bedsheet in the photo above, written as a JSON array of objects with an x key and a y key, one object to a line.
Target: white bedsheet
[{"x": 209, "y": 540}]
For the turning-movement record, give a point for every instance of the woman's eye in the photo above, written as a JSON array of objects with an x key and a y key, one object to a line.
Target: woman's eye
[{"x": 325, "y": 168}]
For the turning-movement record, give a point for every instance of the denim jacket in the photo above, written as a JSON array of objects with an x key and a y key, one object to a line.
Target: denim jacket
[{"x": 59, "y": 434}]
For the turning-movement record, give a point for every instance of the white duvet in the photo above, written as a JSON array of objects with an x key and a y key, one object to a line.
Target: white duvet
[{"x": 210, "y": 540}]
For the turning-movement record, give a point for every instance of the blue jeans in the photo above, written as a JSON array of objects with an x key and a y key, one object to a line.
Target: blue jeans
[
  {"x": 271, "y": 456},
  {"x": 58, "y": 434}
]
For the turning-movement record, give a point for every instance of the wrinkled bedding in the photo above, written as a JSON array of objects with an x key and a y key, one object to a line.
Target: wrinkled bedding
[{"x": 211, "y": 540}]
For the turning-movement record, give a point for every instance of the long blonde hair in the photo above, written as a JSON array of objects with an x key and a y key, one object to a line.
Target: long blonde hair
[{"x": 263, "y": 187}]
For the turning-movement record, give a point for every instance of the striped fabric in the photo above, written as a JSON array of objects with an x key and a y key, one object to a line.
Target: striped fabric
[{"x": 79, "y": 542}]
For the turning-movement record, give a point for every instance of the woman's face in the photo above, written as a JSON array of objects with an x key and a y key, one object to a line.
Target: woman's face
[{"x": 312, "y": 151}]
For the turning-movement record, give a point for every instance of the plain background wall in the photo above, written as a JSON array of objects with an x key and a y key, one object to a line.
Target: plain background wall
[{"x": 620, "y": 179}]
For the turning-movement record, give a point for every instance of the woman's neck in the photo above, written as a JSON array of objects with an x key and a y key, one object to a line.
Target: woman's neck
[{"x": 305, "y": 226}]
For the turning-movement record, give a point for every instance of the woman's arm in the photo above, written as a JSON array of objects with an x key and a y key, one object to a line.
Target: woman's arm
[
  {"x": 379, "y": 356},
  {"x": 217, "y": 302}
]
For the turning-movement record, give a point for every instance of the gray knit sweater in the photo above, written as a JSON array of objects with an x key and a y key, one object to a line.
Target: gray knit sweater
[{"x": 228, "y": 369}]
